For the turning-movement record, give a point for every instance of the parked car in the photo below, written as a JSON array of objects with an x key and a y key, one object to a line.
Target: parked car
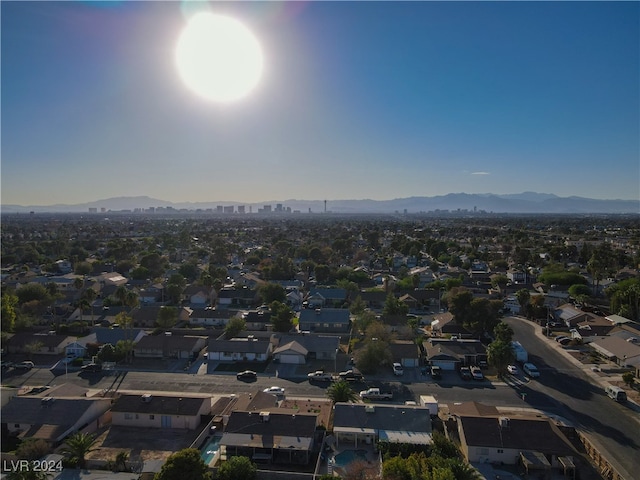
[
  {"x": 465, "y": 373},
  {"x": 247, "y": 375},
  {"x": 350, "y": 376},
  {"x": 397, "y": 369},
  {"x": 436, "y": 371},
  {"x": 560, "y": 338},
  {"x": 512, "y": 369},
  {"x": 476, "y": 373},
  {"x": 531, "y": 370},
  {"x": 92, "y": 367},
  {"x": 27, "y": 365},
  {"x": 274, "y": 390},
  {"x": 6, "y": 365},
  {"x": 319, "y": 376}
]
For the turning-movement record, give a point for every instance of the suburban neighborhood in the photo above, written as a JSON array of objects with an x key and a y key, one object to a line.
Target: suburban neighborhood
[{"x": 326, "y": 346}]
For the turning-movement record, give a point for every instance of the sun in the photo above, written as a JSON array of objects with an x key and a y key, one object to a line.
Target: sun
[{"x": 218, "y": 57}]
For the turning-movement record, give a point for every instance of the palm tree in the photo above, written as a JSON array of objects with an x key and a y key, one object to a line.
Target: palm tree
[
  {"x": 341, "y": 391},
  {"x": 78, "y": 446},
  {"x": 121, "y": 460}
]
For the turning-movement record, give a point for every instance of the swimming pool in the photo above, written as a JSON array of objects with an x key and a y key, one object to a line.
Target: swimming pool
[
  {"x": 210, "y": 448},
  {"x": 346, "y": 457}
]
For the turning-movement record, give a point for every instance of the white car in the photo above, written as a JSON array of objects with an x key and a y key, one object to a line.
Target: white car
[
  {"x": 274, "y": 390},
  {"x": 397, "y": 369},
  {"x": 512, "y": 369}
]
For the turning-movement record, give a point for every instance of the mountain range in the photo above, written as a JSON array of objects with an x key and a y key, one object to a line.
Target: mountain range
[{"x": 526, "y": 202}]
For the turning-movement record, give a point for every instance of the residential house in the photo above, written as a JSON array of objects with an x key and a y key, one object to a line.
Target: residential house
[
  {"x": 199, "y": 295},
  {"x": 53, "y": 418},
  {"x": 169, "y": 346},
  {"x": 333, "y": 320},
  {"x": 160, "y": 411},
  {"x": 510, "y": 441},
  {"x": 38, "y": 343},
  {"x": 257, "y": 319},
  {"x": 210, "y": 316},
  {"x": 373, "y": 299},
  {"x": 451, "y": 354},
  {"x": 291, "y": 352},
  {"x": 239, "y": 349},
  {"x": 319, "y": 347},
  {"x": 405, "y": 352},
  {"x": 326, "y": 297},
  {"x": 444, "y": 324},
  {"x": 147, "y": 316},
  {"x": 625, "y": 353},
  {"x": 237, "y": 297},
  {"x": 366, "y": 424},
  {"x": 269, "y": 437}
]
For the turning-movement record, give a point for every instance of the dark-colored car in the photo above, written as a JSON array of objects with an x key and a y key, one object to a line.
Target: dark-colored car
[
  {"x": 350, "y": 376},
  {"x": 92, "y": 367},
  {"x": 465, "y": 373},
  {"x": 247, "y": 375}
]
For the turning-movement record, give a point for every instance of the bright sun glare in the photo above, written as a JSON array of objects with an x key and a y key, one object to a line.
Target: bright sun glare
[{"x": 218, "y": 57}]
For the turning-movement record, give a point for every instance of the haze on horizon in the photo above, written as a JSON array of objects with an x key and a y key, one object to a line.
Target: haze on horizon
[{"x": 375, "y": 100}]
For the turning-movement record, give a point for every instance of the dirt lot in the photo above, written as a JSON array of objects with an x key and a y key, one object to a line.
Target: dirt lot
[{"x": 141, "y": 443}]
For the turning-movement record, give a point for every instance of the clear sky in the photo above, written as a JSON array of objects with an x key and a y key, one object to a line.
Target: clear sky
[{"x": 375, "y": 100}]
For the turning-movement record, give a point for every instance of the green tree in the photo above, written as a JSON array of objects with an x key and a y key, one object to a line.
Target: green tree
[
  {"x": 77, "y": 446},
  {"x": 167, "y": 317},
  {"x": 523, "y": 296},
  {"x": 374, "y": 355},
  {"x": 272, "y": 292},
  {"x": 234, "y": 327},
  {"x": 281, "y": 316},
  {"x": 184, "y": 464},
  {"x": 358, "y": 306},
  {"x": 628, "y": 378},
  {"x": 28, "y": 473},
  {"x": 503, "y": 332},
  {"x": 500, "y": 355},
  {"x": 393, "y": 306},
  {"x": 341, "y": 391},
  {"x": 237, "y": 468},
  {"x": 459, "y": 302},
  {"x": 363, "y": 320},
  {"x": 8, "y": 313}
]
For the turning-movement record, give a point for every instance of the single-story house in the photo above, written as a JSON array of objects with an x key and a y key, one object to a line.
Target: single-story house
[
  {"x": 625, "y": 353},
  {"x": 147, "y": 316},
  {"x": 291, "y": 352},
  {"x": 199, "y": 296},
  {"x": 237, "y": 297},
  {"x": 504, "y": 440},
  {"x": 269, "y": 437},
  {"x": 359, "y": 424},
  {"x": 239, "y": 349},
  {"x": 210, "y": 316},
  {"x": 334, "y": 320},
  {"x": 169, "y": 346},
  {"x": 38, "y": 343},
  {"x": 405, "y": 352},
  {"x": 326, "y": 297},
  {"x": 451, "y": 354},
  {"x": 160, "y": 411},
  {"x": 53, "y": 418},
  {"x": 444, "y": 324},
  {"x": 257, "y": 319},
  {"x": 319, "y": 347}
]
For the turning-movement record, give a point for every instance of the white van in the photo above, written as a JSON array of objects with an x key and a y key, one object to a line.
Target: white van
[
  {"x": 531, "y": 370},
  {"x": 616, "y": 393}
]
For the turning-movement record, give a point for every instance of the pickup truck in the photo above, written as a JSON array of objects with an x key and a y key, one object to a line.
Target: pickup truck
[
  {"x": 319, "y": 376},
  {"x": 350, "y": 376},
  {"x": 375, "y": 394}
]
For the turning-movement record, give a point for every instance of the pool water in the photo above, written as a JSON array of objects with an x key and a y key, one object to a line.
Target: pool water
[
  {"x": 346, "y": 457},
  {"x": 209, "y": 449}
]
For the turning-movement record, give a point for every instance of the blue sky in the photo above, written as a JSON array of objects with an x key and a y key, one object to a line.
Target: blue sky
[{"x": 375, "y": 100}]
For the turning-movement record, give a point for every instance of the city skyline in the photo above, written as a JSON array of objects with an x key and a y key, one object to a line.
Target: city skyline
[{"x": 358, "y": 100}]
